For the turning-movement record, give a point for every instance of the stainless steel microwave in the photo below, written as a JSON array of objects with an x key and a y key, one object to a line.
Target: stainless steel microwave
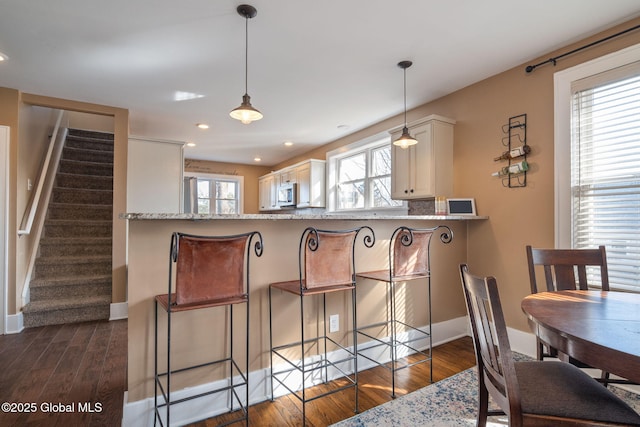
[{"x": 287, "y": 196}]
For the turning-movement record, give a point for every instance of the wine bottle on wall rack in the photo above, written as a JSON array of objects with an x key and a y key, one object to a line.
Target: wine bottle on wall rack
[
  {"x": 515, "y": 168},
  {"x": 516, "y": 152}
]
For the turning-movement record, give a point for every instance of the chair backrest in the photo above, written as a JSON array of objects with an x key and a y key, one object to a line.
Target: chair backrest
[
  {"x": 327, "y": 256},
  {"x": 496, "y": 369},
  {"x": 409, "y": 249},
  {"x": 211, "y": 267},
  {"x": 567, "y": 269}
]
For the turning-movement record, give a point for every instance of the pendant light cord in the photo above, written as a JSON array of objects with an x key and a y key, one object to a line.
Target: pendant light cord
[
  {"x": 246, "y": 55},
  {"x": 405, "y": 97}
]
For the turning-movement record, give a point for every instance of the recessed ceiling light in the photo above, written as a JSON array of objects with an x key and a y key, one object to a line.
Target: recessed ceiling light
[
  {"x": 203, "y": 125},
  {"x": 288, "y": 143},
  {"x": 191, "y": 144},
  {"x": 257, "y": 159},
  {"x": 3, "y": 57}
]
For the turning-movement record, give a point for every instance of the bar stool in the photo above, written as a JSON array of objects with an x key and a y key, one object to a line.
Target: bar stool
[
  {"x": 409, "y": 260},
  {"x": 211, "y": 271},
  {"x": 326, "y": 265}
]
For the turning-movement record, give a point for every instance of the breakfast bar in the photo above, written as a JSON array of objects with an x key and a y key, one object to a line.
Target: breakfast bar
[{"x": 149, "y": 236}]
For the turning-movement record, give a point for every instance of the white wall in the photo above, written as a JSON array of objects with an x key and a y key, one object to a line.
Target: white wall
[{"x": 154, "y": 176}]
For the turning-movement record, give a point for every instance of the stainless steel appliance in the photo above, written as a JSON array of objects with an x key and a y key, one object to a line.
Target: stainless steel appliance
[{"x": 287, "y": 196}]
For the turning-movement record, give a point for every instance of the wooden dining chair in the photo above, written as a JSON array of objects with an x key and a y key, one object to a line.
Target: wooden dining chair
[
  {"x": 568, "y": 269},
  {"x": 531, "y": 393}
]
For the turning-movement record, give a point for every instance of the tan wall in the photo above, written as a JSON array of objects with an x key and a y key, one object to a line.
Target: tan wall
[
  {"x": 518, "y": 216},
  {"x": 249, "y": 172}
]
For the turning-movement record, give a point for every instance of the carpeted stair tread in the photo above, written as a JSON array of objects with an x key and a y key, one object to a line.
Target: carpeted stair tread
[
  {"x": 97, "y": 182},
  {"x": 85, "y": 259},
  {"x": 70, "y": 280},
  {"x": 87, "y": 155},
  {"x": 92, "y": 241},
  {"x": 80, "y": 211},
  {"x": 66, "y": 303}
]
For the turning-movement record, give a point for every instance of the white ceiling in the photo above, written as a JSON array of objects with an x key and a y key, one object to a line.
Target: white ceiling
[{"x": 318, "y": 70}]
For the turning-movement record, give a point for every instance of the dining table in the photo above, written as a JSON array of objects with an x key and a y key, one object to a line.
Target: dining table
[{"x": 599, "y": 328}]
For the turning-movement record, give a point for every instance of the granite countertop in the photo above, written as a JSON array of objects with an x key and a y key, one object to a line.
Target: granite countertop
[{"x": 354, "y": 216}]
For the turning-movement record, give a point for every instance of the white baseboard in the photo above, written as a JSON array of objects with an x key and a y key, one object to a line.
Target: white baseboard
[
  {"x": 14, "y": 323},
  {"x": 141, "y": 412},
  {"x": 118, "y": 311}
]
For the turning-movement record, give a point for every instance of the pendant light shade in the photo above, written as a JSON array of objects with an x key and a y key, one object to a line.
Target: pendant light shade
[
  {"x": 245, "y": 112},
  {"x": 405, "y": 139}
]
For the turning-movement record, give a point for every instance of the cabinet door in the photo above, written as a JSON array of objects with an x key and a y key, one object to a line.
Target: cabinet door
[
  {"x": 264, "y": 193},
  {"x": 288, "y": 176},
  {"x": 421, "y": 166},
  {"x": 303, "y": 174},
  {"x": 400, "y": 181}
]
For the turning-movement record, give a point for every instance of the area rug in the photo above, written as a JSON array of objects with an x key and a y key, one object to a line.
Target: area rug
[{"x": 447, "y": 403}]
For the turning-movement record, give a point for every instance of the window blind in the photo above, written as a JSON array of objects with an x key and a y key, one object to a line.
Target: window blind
[{"x": 605, "y": 172}]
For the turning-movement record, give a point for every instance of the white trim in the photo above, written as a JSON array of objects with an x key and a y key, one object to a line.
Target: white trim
[
  {"x": 140, "y": 413},
  {"x": 4, "y": 227},
  {"x": 562, "y": 132},
  {"x": 223, "y": 177},
  {"x": 118, "y": 311},
  {"x": 332, "y": 159},
  {"x": 15, "y": 323}
]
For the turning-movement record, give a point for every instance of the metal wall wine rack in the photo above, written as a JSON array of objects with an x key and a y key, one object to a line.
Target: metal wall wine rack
[{"x": 515, "y": 136}]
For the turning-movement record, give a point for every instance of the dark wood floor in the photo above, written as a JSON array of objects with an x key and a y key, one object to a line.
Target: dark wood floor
[
  {"x": 374, "y": 389},
  {"x": 45, "y": 370},
  {"x": 86, "y": 364}
]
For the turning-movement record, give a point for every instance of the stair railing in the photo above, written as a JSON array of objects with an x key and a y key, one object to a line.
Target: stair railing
[
  {"x": 47, "y": 174},
  {"x": 41, "y": 198}
]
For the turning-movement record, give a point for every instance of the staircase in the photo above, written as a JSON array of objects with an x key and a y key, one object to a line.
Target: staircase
[{"x": 71, "y": 281}]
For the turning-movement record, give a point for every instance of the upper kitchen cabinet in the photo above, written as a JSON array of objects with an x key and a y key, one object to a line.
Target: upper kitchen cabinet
[
  {"x": 268, "y": 192},
  {"x": 311, "y": 182},
  {"x": 423, "y": 170},
  {"x": 308, "y": 177}
]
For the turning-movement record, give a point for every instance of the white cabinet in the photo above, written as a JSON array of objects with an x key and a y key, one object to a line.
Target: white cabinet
[
  {"x": 288, "y": 176},
  {"x": 268, "y": 192},
  {"x": 311, "y": 184},
  {"x": 423, "y": 170},
  {"x": 309, "y": 177}
]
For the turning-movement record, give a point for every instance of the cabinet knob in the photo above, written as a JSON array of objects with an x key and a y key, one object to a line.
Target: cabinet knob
[
  {"x": 406, "y": 191},
  {"x": 412, "y": 190}
]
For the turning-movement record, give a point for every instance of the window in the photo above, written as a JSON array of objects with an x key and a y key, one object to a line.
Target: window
[
  {"x": 602, "y": 177},
  {"x": 360, "y": 177},
  {"x": 213, "y": 194}
]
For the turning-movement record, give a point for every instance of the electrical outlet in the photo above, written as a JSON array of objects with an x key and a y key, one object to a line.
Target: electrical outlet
[
  {"x": 334, "y": 323},
  {"x": 29, "y": 184}
]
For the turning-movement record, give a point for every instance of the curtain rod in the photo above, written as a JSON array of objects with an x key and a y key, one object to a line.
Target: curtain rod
[{"x": 530, "y": 68}]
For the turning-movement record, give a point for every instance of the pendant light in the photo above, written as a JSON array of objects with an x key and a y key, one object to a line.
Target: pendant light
[
  {"x": 405, "y": 139},
  {"x": 245, "y": 112}
]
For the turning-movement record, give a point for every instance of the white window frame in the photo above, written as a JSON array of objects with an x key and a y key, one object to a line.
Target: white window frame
[
  {"x": 562, "y": 131},
  {"x": 237, "y": 178},
  {"x": 333, "y": 159}
]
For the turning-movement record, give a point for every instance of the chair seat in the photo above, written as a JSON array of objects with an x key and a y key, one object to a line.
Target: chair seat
[
  {"x": 163, "y": 300},
  {"x": 383, "y": 276},
  {"x": 293, "y": 286},
  {"x": 560, "y": 389}
]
